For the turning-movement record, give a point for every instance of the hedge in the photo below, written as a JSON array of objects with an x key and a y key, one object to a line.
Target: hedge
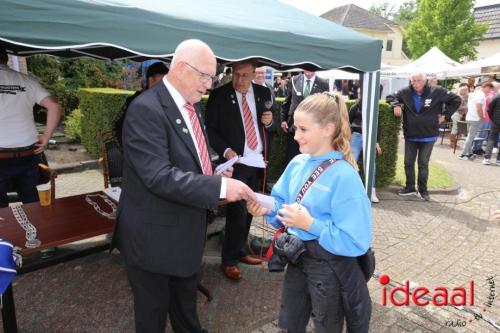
[{"x": 100, "y": 106}]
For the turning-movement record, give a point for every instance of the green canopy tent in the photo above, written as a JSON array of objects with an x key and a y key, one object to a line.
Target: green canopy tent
[{"x": 267, "y": 30}]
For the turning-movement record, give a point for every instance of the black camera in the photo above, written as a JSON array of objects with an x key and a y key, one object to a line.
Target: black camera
[{"x": 286, "y": 249}]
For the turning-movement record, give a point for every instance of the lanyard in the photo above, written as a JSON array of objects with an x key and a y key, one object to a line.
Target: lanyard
[{"x": 313, "y": 177}]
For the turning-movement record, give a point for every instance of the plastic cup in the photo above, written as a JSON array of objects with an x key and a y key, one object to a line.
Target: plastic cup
[{"x": 44, "y": 194}]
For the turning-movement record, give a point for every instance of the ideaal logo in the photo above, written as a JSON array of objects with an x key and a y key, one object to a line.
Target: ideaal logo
[
  {"x": 460, "y": 297},
  {"x": 440, "y": 296}
]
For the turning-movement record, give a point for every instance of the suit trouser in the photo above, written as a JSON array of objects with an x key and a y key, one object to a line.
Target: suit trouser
[
  {"x": 157, "y": 295},
  {"x": 423, "y": 150},
  {"x": 292, "y": 147},
  {"x": 238, "y": 220}
]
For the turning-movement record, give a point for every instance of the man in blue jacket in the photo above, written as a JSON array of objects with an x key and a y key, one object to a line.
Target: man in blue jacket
[{"x": 423, "y": 108}]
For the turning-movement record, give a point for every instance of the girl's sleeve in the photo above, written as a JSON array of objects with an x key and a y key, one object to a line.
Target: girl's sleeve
[
  {"x": 280, "y": 194},
  {"x": 348, "y": 229}
]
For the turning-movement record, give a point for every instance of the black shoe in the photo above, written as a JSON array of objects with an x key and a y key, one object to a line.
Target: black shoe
[
  {"x": 407, "y": 191},
  {"x": 424, "y": 195}
]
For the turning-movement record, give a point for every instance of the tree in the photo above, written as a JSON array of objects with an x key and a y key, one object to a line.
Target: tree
[
  {"x": 406, "y": 14},
  {"x": 447, "y": 24},
  {"x": 383, "y": 9}
]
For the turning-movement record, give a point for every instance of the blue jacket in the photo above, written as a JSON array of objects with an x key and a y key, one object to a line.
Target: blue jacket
[{"x": 337, "y": 201}]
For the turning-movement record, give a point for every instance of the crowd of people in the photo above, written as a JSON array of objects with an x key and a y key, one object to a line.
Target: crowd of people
[{"x": 169, "y": 181}]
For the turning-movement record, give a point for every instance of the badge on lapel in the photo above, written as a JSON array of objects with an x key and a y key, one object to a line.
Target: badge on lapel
[
  {"x": 178, "y": 121},
  {"x": 232, "y": 99},
  {"x": 185, "y": 130}
]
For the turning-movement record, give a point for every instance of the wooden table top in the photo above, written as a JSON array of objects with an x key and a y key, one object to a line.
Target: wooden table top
[{"x": 67, "y": 220}]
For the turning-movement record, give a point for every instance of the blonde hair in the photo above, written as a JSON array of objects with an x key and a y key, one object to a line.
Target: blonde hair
[{"x": 330, "y": 108}]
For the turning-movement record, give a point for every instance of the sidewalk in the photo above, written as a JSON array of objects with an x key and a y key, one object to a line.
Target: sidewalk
[{"x": 445, "y": 242}]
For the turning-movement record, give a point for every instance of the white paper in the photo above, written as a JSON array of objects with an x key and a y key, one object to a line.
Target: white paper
[
  {"x": 254, "y": 160},
  {"x": 226, "y": 165},
  {"x": 113, "y": 192},
  {"x": 265, "y": 200}
]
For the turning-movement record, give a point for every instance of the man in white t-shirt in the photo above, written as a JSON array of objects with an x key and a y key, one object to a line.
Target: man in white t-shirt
[
  {"x": 475, "y": 106},
  {"x": 20, "y": 144}
]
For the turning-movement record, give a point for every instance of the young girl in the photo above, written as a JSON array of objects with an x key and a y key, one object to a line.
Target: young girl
[{"x": 333, "y": 220}]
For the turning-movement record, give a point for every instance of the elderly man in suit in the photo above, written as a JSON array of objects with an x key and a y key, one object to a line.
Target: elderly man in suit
[
  {"x": 300, "y": 87},
  {"x": 167, "y": 188},
  {"x": 238, "y": 124}
]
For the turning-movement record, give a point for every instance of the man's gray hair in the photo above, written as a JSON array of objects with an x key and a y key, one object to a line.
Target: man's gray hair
[{"x": 418, "y": 74}]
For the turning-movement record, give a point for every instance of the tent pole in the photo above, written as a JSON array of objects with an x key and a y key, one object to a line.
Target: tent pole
[{"x": 371, "y": 95}]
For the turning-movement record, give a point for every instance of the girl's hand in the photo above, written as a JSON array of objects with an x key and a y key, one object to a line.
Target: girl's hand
[
  {"x": 496, "y": 215},
  {"x": 256, "y": 209},
  {"x": 295, "y": 215}
]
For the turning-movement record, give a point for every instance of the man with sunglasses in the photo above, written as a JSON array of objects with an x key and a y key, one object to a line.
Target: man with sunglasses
[
  {"x": 168, "y": 185},
  {"x": 239, "y": 122}
]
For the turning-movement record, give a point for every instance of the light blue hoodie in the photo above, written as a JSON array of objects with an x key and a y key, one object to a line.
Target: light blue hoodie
[{"x": 337, "y": 201}]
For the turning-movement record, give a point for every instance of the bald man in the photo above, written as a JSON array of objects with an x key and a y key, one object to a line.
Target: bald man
[{"x": 168, "y": 185}]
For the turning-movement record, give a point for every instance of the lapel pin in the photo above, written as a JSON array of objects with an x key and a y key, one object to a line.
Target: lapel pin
[
  {"x": 178, "y": 121},
  {"x": 185, "y": 130}
]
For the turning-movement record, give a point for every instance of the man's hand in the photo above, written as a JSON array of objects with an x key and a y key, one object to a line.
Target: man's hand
[
  {"x": 398, "y": 111},
  {"x": 230, "y": 154},
  {"x": 41, "y": 145},
  {"x": 284, "y": 126},
  {"x": 441, "y": 119},
  {"x": 267, "y": 118},
  {"x": 237, "y": 190}
]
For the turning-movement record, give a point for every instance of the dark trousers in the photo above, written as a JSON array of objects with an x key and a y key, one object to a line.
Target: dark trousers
[
  {"x": 238, "y": 220},
  {"x": 20, "y": 175},
  {"x": 423, "y": 150},
  {"x": 156, "y": 296},
  {"x": 292, "y": 147},
  {"x": 327, "y": 288},
  {"x": 495, "y": 129}
]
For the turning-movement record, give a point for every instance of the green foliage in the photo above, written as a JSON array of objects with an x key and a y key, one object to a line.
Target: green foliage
[
  {"x": 45, "y": 68},
  {"x": 88, "y": 72},
  {"x": 99, "y": 108},
  {"x": 406, "y": 14},
  {"x": 447, "y": 24},
  {"x": 386, "y": 163},
  {"x": 73, "y": 126},
  {"x": 384, "y": 9}
]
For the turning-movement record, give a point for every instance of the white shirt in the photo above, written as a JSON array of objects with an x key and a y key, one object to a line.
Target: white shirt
[
  {"x": 477, "y": 97},
  {"x": 18, "y": 94},
  {"x": 253, "y": 110},
  {"x": 310, "y": 84},
  {"x": 180, "y": 102}
]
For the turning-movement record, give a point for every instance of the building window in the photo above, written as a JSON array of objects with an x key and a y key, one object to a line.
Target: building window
[{"x": 388, "y": 47}]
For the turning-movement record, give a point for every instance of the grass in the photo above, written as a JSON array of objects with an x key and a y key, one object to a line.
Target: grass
[{"x": 439, "y": 178}]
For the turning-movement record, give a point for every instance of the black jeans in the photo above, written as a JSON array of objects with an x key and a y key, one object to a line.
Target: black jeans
[
  {"x": 20, "y": 175},
  {"x": 423, "y": 150}
]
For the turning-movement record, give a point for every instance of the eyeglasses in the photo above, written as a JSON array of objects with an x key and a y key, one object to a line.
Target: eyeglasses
[
  {"x": 245, "y": 76},
  {"x": 204, "y": 77}
]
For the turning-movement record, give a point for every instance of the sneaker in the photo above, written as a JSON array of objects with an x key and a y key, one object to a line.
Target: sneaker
[
  {"x": 464, "y": 157},
  {"x": 486, "y": 161},
  {"x": 495, "y": 150},
  {"x": 374, "y": 198},
  {"x": 424, "y": 195},
  {"x": 497, "y": 162},
  {"x": 407, "y": 191}
]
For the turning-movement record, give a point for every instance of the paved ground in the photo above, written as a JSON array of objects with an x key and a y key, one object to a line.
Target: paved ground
[{"x": 446, "y": 242}]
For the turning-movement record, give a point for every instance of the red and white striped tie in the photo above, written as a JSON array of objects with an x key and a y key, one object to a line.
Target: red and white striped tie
[
  {"x": 206, "y": 163},
  {"x": 249, "y": 126}
]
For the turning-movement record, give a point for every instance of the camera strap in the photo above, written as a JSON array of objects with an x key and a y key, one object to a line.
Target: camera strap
[{"x": 320, "y": 169}]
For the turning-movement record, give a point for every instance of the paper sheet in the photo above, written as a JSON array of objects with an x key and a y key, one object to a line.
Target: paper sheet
[
  {"x": 254, "y": 160},
  {"x": 265, "y": 200},
  {"x": 226, "y": 165},
  {"x": 113, "y": 193}
]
